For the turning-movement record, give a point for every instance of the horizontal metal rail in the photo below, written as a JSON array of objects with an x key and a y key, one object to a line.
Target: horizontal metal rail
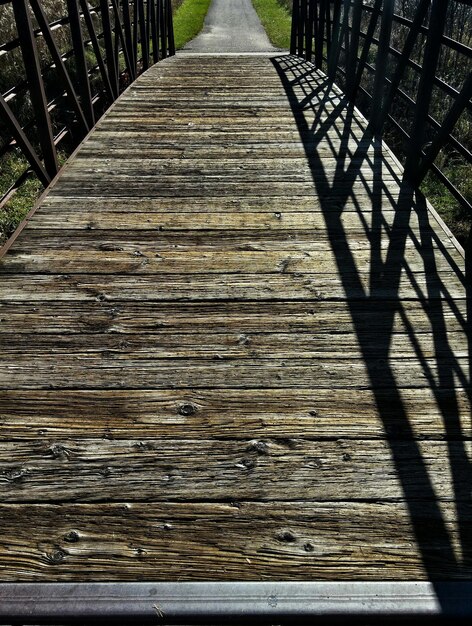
[
  {"x": 220, "y": 602},
  {"x": 114, "y": 30},
  {"x": 352, "y": 40}
]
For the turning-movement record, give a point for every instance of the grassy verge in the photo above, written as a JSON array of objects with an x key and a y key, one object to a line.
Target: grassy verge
[
  {"x": 276, "y": 20},
  {"x": 454, "y": 214},
  {"x": 188, "y": 20},
  {"x": 12, "y": 166}
]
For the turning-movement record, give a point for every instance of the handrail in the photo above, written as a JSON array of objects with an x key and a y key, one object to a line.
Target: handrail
[
  {"x": 123, "y": 38},
  {"x": 352, "y": 40}
]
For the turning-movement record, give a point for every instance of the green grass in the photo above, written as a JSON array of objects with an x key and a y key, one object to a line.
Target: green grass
[
  {"x": 11, "y": 167},
  {"x": 188, "y": 20},
  {"x": 276, "y": 20},
  {"x": 454, "y": 214}
]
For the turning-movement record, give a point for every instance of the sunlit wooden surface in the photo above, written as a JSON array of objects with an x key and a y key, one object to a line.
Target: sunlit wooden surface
[{"x": 234, "y": 347}]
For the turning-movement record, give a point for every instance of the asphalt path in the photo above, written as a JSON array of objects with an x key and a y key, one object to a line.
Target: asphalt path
[{"x": 231, "y": 26}]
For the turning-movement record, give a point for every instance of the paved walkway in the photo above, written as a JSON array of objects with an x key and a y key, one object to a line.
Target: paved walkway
[{"x": 231, "y": 26}]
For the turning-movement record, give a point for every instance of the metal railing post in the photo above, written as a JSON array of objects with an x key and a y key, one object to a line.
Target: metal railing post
[
  {"x": 335, "y": 41},
  {"x": 295, "y": 25},
  {"x": 17, "y": 132},
  {"x": 109, "y": 47},
  {"x": 129, "y": 35},
  {"x": 170, "y": 28},
  {"x": 80, "y": 61},
  {"x": 163, "y": 29},
  {"x": 412, "y": 36},
  {"x": 143, "y": 34},
  {"x": 437, "y": 22},
  {"x": 36, "y": 85},
  {"x": 320, "y": 32},
  {"x": 381, "y": 64},
  {"x": 353, "y": 51},
  {"x": 97, "y": 50},
  {"x": 60, "y": 67}
]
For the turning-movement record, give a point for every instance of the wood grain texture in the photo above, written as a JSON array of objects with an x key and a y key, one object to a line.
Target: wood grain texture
[
  {"x": 196, "y": 470},
  {"x": 234, "y": 414},
  {"x": 234, "y": 347},
  {"x": 316, "y": 316},
  {"x": 77, "y": 288},
  {"x": 227, "y": 541},
  {"x": 149, "y": 260},
  {"x": 108, "y": 371}
]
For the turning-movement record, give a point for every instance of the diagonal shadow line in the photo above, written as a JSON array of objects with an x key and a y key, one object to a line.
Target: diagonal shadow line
[
  {"x": 458, "y": 459},
  {"x": 434, "y": 542}
]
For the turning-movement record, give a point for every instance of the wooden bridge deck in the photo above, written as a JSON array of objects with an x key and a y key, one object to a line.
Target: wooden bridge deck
[{"x": 234, "y": 347}]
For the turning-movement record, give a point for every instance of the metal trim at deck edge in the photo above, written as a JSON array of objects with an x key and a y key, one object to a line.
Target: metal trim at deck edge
[{"x": 194, "y": 601}]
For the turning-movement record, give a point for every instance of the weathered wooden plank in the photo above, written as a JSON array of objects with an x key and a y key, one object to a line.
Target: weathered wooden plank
[
  {"x": 361, "y": 226},
  {"x": 63, "y": 200},
  {"x": 243, "y": 97},
  {"x": 287, "y": 142},
  {"x": 105, "y": 371},
  {"x": 204, "y": 343},
  {"x": 191, "y": 187},
  {"x": 161, "y": 288},
  {"x": 109, "y": 145},
  {"x": 65, "y": 470},
  {"x": 243, "y": 541},
  {"x": 206, "y": 241},
  {"x": 141, "y": 122},
  {"x": 244, "y": 304},
  {"x": 278, "y": 169},
  {"x": 372, "y": 320},
  {"x": 209, "y": 249},
  {"x": 152, "y": 260},
  {"x": 168, "y": 83},
  {"x": 235, "y": 414},
  {"x": 183, "y": 173},
  {"x": 258, "y": 135}
]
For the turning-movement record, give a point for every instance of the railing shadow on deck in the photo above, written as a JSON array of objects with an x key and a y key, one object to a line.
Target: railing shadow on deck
[{"x": 307, "y": 90}]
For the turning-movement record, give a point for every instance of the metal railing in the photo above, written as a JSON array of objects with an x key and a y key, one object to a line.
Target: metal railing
[
  {"x": 391, "y": 67},
  {"x": 74, "y": 66},
  {"x": 188, "y": 603}
]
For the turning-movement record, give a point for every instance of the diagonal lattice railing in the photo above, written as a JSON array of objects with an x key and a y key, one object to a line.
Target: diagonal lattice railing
[
  {"x": 71, "y": 66},
  {"x": 408, "y": 74}
]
